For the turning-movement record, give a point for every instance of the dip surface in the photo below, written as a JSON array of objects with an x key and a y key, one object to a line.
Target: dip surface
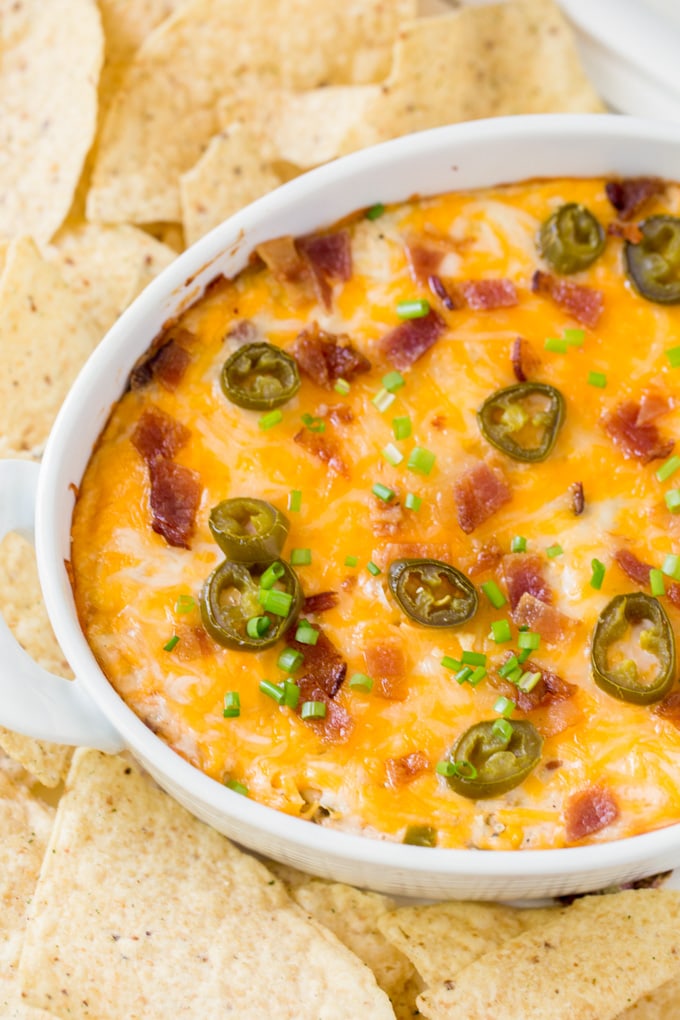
[{"x": 608, "y": 768}]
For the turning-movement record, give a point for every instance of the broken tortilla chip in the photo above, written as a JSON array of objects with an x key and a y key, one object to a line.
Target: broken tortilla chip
[
  {"x": 50, "y": 59},
  {"x": 186, "y": 924}
]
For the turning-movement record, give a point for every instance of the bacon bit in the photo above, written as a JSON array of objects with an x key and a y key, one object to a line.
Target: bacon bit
[
  {"x": 549, "y": 690},
  {"x": 484, "y": 295},
  {"x": 589, "y": 811},
  {"x": 156, "y": 434},
  {"x": 170, "y": 364},
  {"x": 401, "y": 771},
  {"x": 243, "y": 332},
  {"x": 330, "y": 258},
  {"x": 320, "y": 602},
  {"x": 487, "y": 557},
  {"x": 523, "y": 574},
  {"x": 638, "y": 571},
  {"x": 578, "y": 499},
  {"x": 641, "y": 441},
  {"x": 479, "y": 493},
  {"x": 325, "y": 357},
  {"x": 557, "y": 717},
  {"x": 323, "y": 667},
  {"x": 408, "y": 341},
  {"x": 439, "y": 422},
  {"x": 669, "y": 709},
  {"x": 174, "y": 499},
  {"x": 290, "y": 268},
  {"x": 166, "y": 360},
  {"x": 551, "y": 624},
  {"x": 340, "y": 414},
  {"x": 386, "y": 518},
  {"x": 386, "y": 664},
  {"x": 584, "y": 303},
  {"x": 630, "y": 194},
  {"x": 627, "y": 231},
  {"x": 439, "y": 290},
  {"x": 194, "y": 642},
  {"x": 517, "y": 359},
  {"x": 653, "y": 405},
  {"x": 324, "y": 448},
  {"x": 426, "y": 254},
  {"x": 337, "y": 725}
]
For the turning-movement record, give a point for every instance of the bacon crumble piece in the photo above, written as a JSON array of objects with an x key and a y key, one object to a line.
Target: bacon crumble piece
[
  {"x": 403, "y": 770},
  {"x": 320, "y": 602},
  {"x": 408, "y": 341},
  {"x": 523, "y": 573},
  {"x": 166, "y": 360},
  {"x": 589, "y": 811},
  {"x": 578, "y": 499},
  {"x": 517, "y": 359},
  {"x": 337, "y": 725},
  {"x": 290, "y": 268},
  {"x": 638, "y": 571},
  {"x": 642, "y": 441},
  {"x": 585, "y": 303},
  {"x": 626, "y": 231},
  {"x": 550, "y": 623},
  {"x": 653, "y": 405},
  {"x": 194, "y": 642},
  {"x": 386, "y": 664},
  {"x": 485, "y": 295},
  {"x": 479, "y": 493},
  {"x": 439, "y": 290},
  {"x": 340, "y": 414},
  {"x": 550, "y": 689},
  {"x": 323, "y": 668},
  {"x": 324, "y": 449},
  {"x": 669, "y": 709},
  {"x": 425, "y": 254},
  {"x": 329, "y": 254},
  {"x": 174, "y": 499},
  {"x": 486, "y": 557},
  {"x": 325, "y": 357},
  {"x": 630, "y": 194},
  {"x": 243, "y": 332},
  {"x": 156, "y": 434},
  {"x": 386, "y": 518}
]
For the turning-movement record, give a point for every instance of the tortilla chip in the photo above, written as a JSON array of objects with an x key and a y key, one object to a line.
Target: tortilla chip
[
  {"x": 230, "y": 174},
  {"x": 107, "y": 267},
  {"x": 50, "y": 58},
  {"x": 593, "y": 960},
  {"x": 170, "y": 234},
  {"x": 663, "y": 1004},
  {"x": 183, "y": 919},
  {"x": 477, "y": 62},
  {"x": 164, "y": 113},
  {"x": 45, "y": 337},
  {"x": 443, "y": 938}
]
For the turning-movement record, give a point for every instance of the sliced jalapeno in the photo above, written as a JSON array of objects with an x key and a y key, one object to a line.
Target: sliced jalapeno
[
  {"x": 248, "y": 530},
  {"x": 571, "y": 239},
  {"x": 654, "y": 263},
  {"x": 633, "y": 649},
  {"x": 420, "y": 835},
  {"x": 486, "y": 763},
  {"x": 432, "y": 593},
  {"x": 523, "y": 420},
  {"x": 260, "y": 377},
  {"x": 231, "y": 597}
]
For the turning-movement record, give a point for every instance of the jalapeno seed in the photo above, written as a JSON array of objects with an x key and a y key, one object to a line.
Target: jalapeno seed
[{"x": 432, "y": 593}]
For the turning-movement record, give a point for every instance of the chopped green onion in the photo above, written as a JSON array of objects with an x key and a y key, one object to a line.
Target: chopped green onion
[
  {"x": 172, "y": 643},
  {"x": 233, "y": 784},
  {"x": 313, "y": 424},
  {"x": 375, "y": 212},
  {"x": 523, "y": 655},
  {"x": 269, "y": 420},
  {"x": 257, "y": 626},
  {"x": 300, "y": 557},
  {"x": 393, "y": 381},
  {"x": 528, "y": 681},
  {"x": 392, "y": 455},
  {"x": 295, "y": 500},
  {"x": 415, "y": 309},
  {"x": 465, "y": 769},
  {"x": 671, "y": 567},
  {"x": 445, "y": 768},
  {"x": 277, "y": 602},
  {"x": 402, "y": 427},
  {"x": 421, "y": 460},
  {"x": 185, "y": 604},
  {"x": 413, "y": 502},
  {"x": 494, "y": 594},
  {"x": 313, "y": 710},
  {"x": 518, "y": 544},
  {"x": 672, "y": 499},
  {"x": 383, "y": 400},
  {"x": 597, "y": 379},
  {"x": 372, "y": 568},
  {"x": 473, "y": 658},
  {"x": 290, "y": 660},
  {"x": 232, "y": 705},
  {"x": 556, "y": 345},
  {"x": 383, "y": 492},
  {"x": 554, "y": 550},
  {"x": 351, "y": 561},
  {"x": 463, "y": 674},
  {"x": 504, "y": 706},
  {"x": 574, "y": 337},
  {"x": 508, "y": 666},
  {"x": 656, "y": 582},
  {"x": 477, "y": 676},
  {"x": 673, "y": 355},
  {"x": 515, "y": 675},
  {"x": 274, "y": 691},
  {"x": 272, "y": 574},
  {"x": 450, "y": 663},
  {"x": 668, "y": 468},
  {"x": 529, "y": 639},
  {"x": 598, "y": 574},
  {"x": 500, "y": 631},
  {"x": 503, "y": 730},
  {"x": 361, "y": 682},
  {"x": 306, "y": 634},
  {"x": 291, "y": 694},
  {"x": 342, "y": 387}
]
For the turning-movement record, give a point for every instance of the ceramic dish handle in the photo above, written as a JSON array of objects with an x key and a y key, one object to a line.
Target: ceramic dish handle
[{"x": 33, "y": 701}]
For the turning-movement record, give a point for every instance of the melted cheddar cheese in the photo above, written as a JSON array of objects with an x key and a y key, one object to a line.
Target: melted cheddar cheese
[{"x": 127, "y": 579}]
